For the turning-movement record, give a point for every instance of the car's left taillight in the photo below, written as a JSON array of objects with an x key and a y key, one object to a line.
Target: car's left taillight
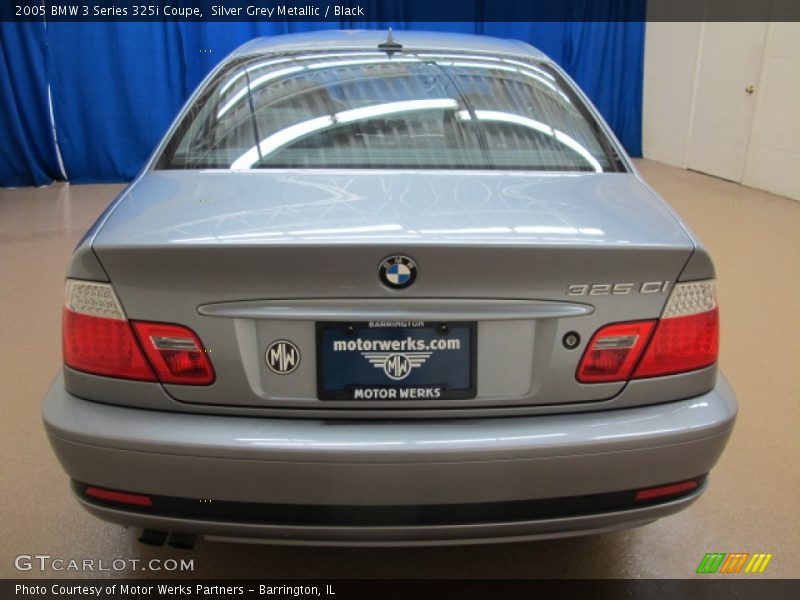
[
  {"x": 685, "y": 338},
  {"x": 99, "y": 339},
  {"x": 687, "y": 335}
]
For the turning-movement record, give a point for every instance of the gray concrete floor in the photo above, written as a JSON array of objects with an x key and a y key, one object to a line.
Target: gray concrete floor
[{"x": 751, "y": 506}]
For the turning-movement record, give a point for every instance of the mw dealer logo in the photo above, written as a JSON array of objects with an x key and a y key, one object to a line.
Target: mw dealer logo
[{"x": 396, "y": 365}]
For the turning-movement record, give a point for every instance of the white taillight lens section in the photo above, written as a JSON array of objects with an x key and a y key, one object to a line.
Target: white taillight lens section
[
  {"x": 98, "y": 339},
  {"x": 176, "y": 353},
  {"x": 691, "y": 299},
  {"x": 93, "y": 299},
  {"x": 687, "y": 336},
  {"x": 613, "y": 352}
]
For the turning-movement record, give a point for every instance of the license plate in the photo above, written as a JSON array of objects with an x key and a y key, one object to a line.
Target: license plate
[{"x": 396, "y": 360}]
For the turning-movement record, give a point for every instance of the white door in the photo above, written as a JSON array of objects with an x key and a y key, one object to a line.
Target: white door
[
  {"x": 773, "y": 154},
  {"x": 731, "y": 56}
]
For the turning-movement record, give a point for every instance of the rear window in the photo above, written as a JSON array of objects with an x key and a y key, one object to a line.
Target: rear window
[{"x": 368, "y": 110}]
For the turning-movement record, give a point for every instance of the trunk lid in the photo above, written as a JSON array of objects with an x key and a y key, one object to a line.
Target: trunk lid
[{"x": 248, "y": 258}]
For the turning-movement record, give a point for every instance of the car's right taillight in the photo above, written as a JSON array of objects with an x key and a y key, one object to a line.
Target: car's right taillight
[
  {"x": 685, "y": 338},
  {"x": 687, "y": 335},
  {"x": 99, "y": 339}
]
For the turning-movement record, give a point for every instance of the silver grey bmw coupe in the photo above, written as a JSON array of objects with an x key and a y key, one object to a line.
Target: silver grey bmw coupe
[{"x": 388, "y": 289}]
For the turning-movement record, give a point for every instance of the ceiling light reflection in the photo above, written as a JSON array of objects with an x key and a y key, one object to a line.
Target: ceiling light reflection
[
  {"x": 560, "y": 136},
  {"x": 276, "y": 61},
  {"x": 351, "y": 63},
  {"x": 390, "y": 108},
  {"x": 256, "y": 83},
  {"x": 337, "y": 230},
  {"x": 557, "y": 230},
  {"x": 279, "y": 139},
  {"x": 292, "y": 133}
]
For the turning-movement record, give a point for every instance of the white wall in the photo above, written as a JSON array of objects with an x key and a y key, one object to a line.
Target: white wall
[
  {"x": 673, "y": 54},
  {"x": 670, "y": 65},
  {"x": 773, "y": 161}
]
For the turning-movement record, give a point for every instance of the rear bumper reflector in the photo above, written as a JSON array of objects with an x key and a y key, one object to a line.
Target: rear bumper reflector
[
  {"x": 118, "y": 497},
  {"x": 666, "y": 490}
]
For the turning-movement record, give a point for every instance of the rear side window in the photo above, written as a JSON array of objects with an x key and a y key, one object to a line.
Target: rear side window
[{"x": 368, "y": 110}]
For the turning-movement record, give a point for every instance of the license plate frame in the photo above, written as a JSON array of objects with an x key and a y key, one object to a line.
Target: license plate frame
[{"x": 428, "y": 373}]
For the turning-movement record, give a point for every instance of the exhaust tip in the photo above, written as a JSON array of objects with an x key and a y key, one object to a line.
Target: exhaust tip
[
  {"x": 183, "y": 541},
  {"x": 153, "y": 537}
]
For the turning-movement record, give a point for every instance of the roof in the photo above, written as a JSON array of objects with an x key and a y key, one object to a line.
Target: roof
[{"x": 363, "y": 39}]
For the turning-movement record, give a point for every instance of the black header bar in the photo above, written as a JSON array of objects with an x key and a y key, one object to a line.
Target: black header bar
[{"x": 352, "y": 12}]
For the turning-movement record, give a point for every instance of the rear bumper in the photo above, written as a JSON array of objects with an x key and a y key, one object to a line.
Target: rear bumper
[{"x": 400, "y": 464}]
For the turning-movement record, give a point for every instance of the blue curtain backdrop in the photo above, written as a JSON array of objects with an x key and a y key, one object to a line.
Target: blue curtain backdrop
[
  {"x": 117, "y": 86},
  {"x": 27, "y": 150}
]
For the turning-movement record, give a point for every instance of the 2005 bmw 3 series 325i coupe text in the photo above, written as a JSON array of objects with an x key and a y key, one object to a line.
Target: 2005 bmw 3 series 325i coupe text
[{"x": 388, "y": 293}]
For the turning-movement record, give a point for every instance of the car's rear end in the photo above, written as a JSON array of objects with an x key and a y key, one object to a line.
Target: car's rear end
[{"x": 403, "y": 297}]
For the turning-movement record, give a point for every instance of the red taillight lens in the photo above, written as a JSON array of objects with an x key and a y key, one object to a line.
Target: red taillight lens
[
  {"x": 681, "y": 344},
  {"x": 686, "y": 338},
  {"x": 613, "y": 352},
  {"x": 99, "y": 339},
  {"x": 103, "y": 346},
  {"x": 176, "y": 353}
]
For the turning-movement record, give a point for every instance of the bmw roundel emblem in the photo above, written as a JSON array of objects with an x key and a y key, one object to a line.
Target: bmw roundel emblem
[{"x": 398, "y": 271}]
